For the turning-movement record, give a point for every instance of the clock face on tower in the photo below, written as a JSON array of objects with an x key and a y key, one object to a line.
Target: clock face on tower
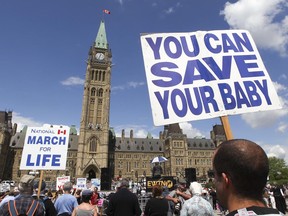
[{"x": 99, "y": 56}]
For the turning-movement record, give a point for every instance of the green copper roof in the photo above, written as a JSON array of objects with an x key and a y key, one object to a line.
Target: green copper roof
[{"x": 101, "y": 40}]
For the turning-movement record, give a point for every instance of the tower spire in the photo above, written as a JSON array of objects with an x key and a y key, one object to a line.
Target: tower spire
[{"x": 101, "y": 39}]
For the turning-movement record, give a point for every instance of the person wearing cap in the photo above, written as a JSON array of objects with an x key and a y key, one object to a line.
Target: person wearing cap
[
  {"x": 179, "y": 195},
  {"x": 197, "y": 205},
  {"x": 66, "y": 203},
  {"x": 85, "y": 208},
  {"x": 24, "y": 200},
  {"x": 44, "y": 200},
  {"x": 124, "y": 202}
]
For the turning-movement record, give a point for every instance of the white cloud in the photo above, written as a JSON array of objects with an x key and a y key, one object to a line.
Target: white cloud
[
  {"x": 279, "y": 87},
  {"x": 73, "y": 81},
  {"x": 172, "y": 9},
  {"x": 128, "y": 85},
  {"x": 139, "y": 131},
  {"x": 188, "y": 129},
  {"x": 264, "y": 19},
  {"x": 169, "y": 10},
  {"x": 275, "y": 151},
  {"x": 263, "y": 119},
  {"x": 135, "y": 84},
  {"x": 283, "y": 77},
  {"x": 21, "y": 121},
  {"x": 282, "y": 127}
]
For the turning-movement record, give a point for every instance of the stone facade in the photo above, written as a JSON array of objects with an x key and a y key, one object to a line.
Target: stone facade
[{"x": 97, "y": 148}]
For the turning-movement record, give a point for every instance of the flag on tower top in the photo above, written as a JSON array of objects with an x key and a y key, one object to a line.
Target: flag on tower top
[{"x": 106, "y": 11}]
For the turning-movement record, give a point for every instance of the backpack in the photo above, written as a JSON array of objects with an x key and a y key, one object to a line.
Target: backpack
[{"x": 13, "y": 210}]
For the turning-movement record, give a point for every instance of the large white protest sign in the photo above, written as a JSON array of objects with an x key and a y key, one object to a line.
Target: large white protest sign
[
  {"x": 45, "y": 148},
  {"x": 201, "y": 75}
]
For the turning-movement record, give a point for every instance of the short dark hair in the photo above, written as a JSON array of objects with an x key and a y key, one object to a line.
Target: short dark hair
[
  {"x": 245, "y": 163},
  {"x": 86, "y": 198},
  {"x": 157, "y": 190}
]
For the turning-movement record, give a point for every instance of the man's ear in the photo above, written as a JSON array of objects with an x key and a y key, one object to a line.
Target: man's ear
[{"x": 226, "y": 179}]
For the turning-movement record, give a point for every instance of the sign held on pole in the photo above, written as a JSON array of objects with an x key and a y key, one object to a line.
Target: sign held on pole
[{"x": 205, "y": 74}]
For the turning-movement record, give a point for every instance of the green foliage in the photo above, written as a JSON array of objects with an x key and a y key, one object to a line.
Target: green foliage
[{"x": 278, "y": 172}]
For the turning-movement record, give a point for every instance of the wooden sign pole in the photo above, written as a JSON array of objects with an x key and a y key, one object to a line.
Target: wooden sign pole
[
  {"x": 40, "y": 184},
  {"x": 226, "y": 126}
]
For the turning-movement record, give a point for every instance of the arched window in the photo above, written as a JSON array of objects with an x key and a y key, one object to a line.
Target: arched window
[
  {"x": 93, "y": 144},
  {"x": 96, "y": 75},
  {"x": 103, "y": 76},
  {"x": 93, "y": 92},
  {"x": 100, "y": 92},
  {"x": 100, "y": 75},
  {"x": 92, "y": 75}
]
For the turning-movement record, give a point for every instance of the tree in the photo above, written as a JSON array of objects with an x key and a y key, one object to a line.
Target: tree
[{"x": 278, "y": 171}]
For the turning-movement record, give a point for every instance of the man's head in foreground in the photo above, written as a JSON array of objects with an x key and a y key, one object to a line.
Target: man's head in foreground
[{"x": 240, "y": 169}]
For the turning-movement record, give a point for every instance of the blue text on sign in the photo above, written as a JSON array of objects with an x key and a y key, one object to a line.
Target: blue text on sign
[
  {"x": 43, "y": 160},
  {"x": 46, "y": 140}
]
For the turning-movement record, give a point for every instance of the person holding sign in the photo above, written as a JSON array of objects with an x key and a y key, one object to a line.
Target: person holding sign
[
  {"x": 241, "y": 168},
  {"x": 24, "y": 203}
]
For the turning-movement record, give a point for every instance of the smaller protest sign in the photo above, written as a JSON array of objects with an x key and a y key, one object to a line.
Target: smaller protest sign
[
  {"x": 45, "y": 148},
  {"x": 81, "y": 183},
  {"x": 60, "y": 181}
]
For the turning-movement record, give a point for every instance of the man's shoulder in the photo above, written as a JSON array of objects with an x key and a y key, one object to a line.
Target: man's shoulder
[{"x": 256, "y": 210}]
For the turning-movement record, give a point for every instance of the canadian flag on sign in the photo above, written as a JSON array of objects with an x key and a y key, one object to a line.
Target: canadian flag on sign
[
  {"x": 106, "y": 11},
  {"x": 62, "y": 132}
]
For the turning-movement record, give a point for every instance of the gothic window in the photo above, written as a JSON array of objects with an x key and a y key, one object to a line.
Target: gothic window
[
  {"x": 100, "y": 92},
  {"x": 93, "y": 144},
  {"x": 120, "y": 164},
  {"x": 100, "y": 101},
  {"x": 100, "y": 74},
  {"x": 103, "y": 76},
  {"x": 96, "y": 75},
  {"x": 92, "y": 74},
  {"x": 93, "y": 92}
]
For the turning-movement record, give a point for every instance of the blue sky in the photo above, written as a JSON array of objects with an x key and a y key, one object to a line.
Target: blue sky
[{"x": 44, "y": 45}]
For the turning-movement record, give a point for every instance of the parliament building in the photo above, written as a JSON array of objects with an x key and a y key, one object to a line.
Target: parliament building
[{"x": 95, "y": 151}]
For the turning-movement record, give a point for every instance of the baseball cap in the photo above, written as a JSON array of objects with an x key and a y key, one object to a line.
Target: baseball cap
[
  {"x": 27, "y": 179},
  {"x": 181, "y": 181}
]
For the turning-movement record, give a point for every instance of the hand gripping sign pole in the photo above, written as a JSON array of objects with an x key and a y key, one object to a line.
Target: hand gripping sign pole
[{"x": 226, "y": 126}]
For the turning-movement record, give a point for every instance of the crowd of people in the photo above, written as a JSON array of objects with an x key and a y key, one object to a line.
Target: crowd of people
[{"x": 240, "y": 180}]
